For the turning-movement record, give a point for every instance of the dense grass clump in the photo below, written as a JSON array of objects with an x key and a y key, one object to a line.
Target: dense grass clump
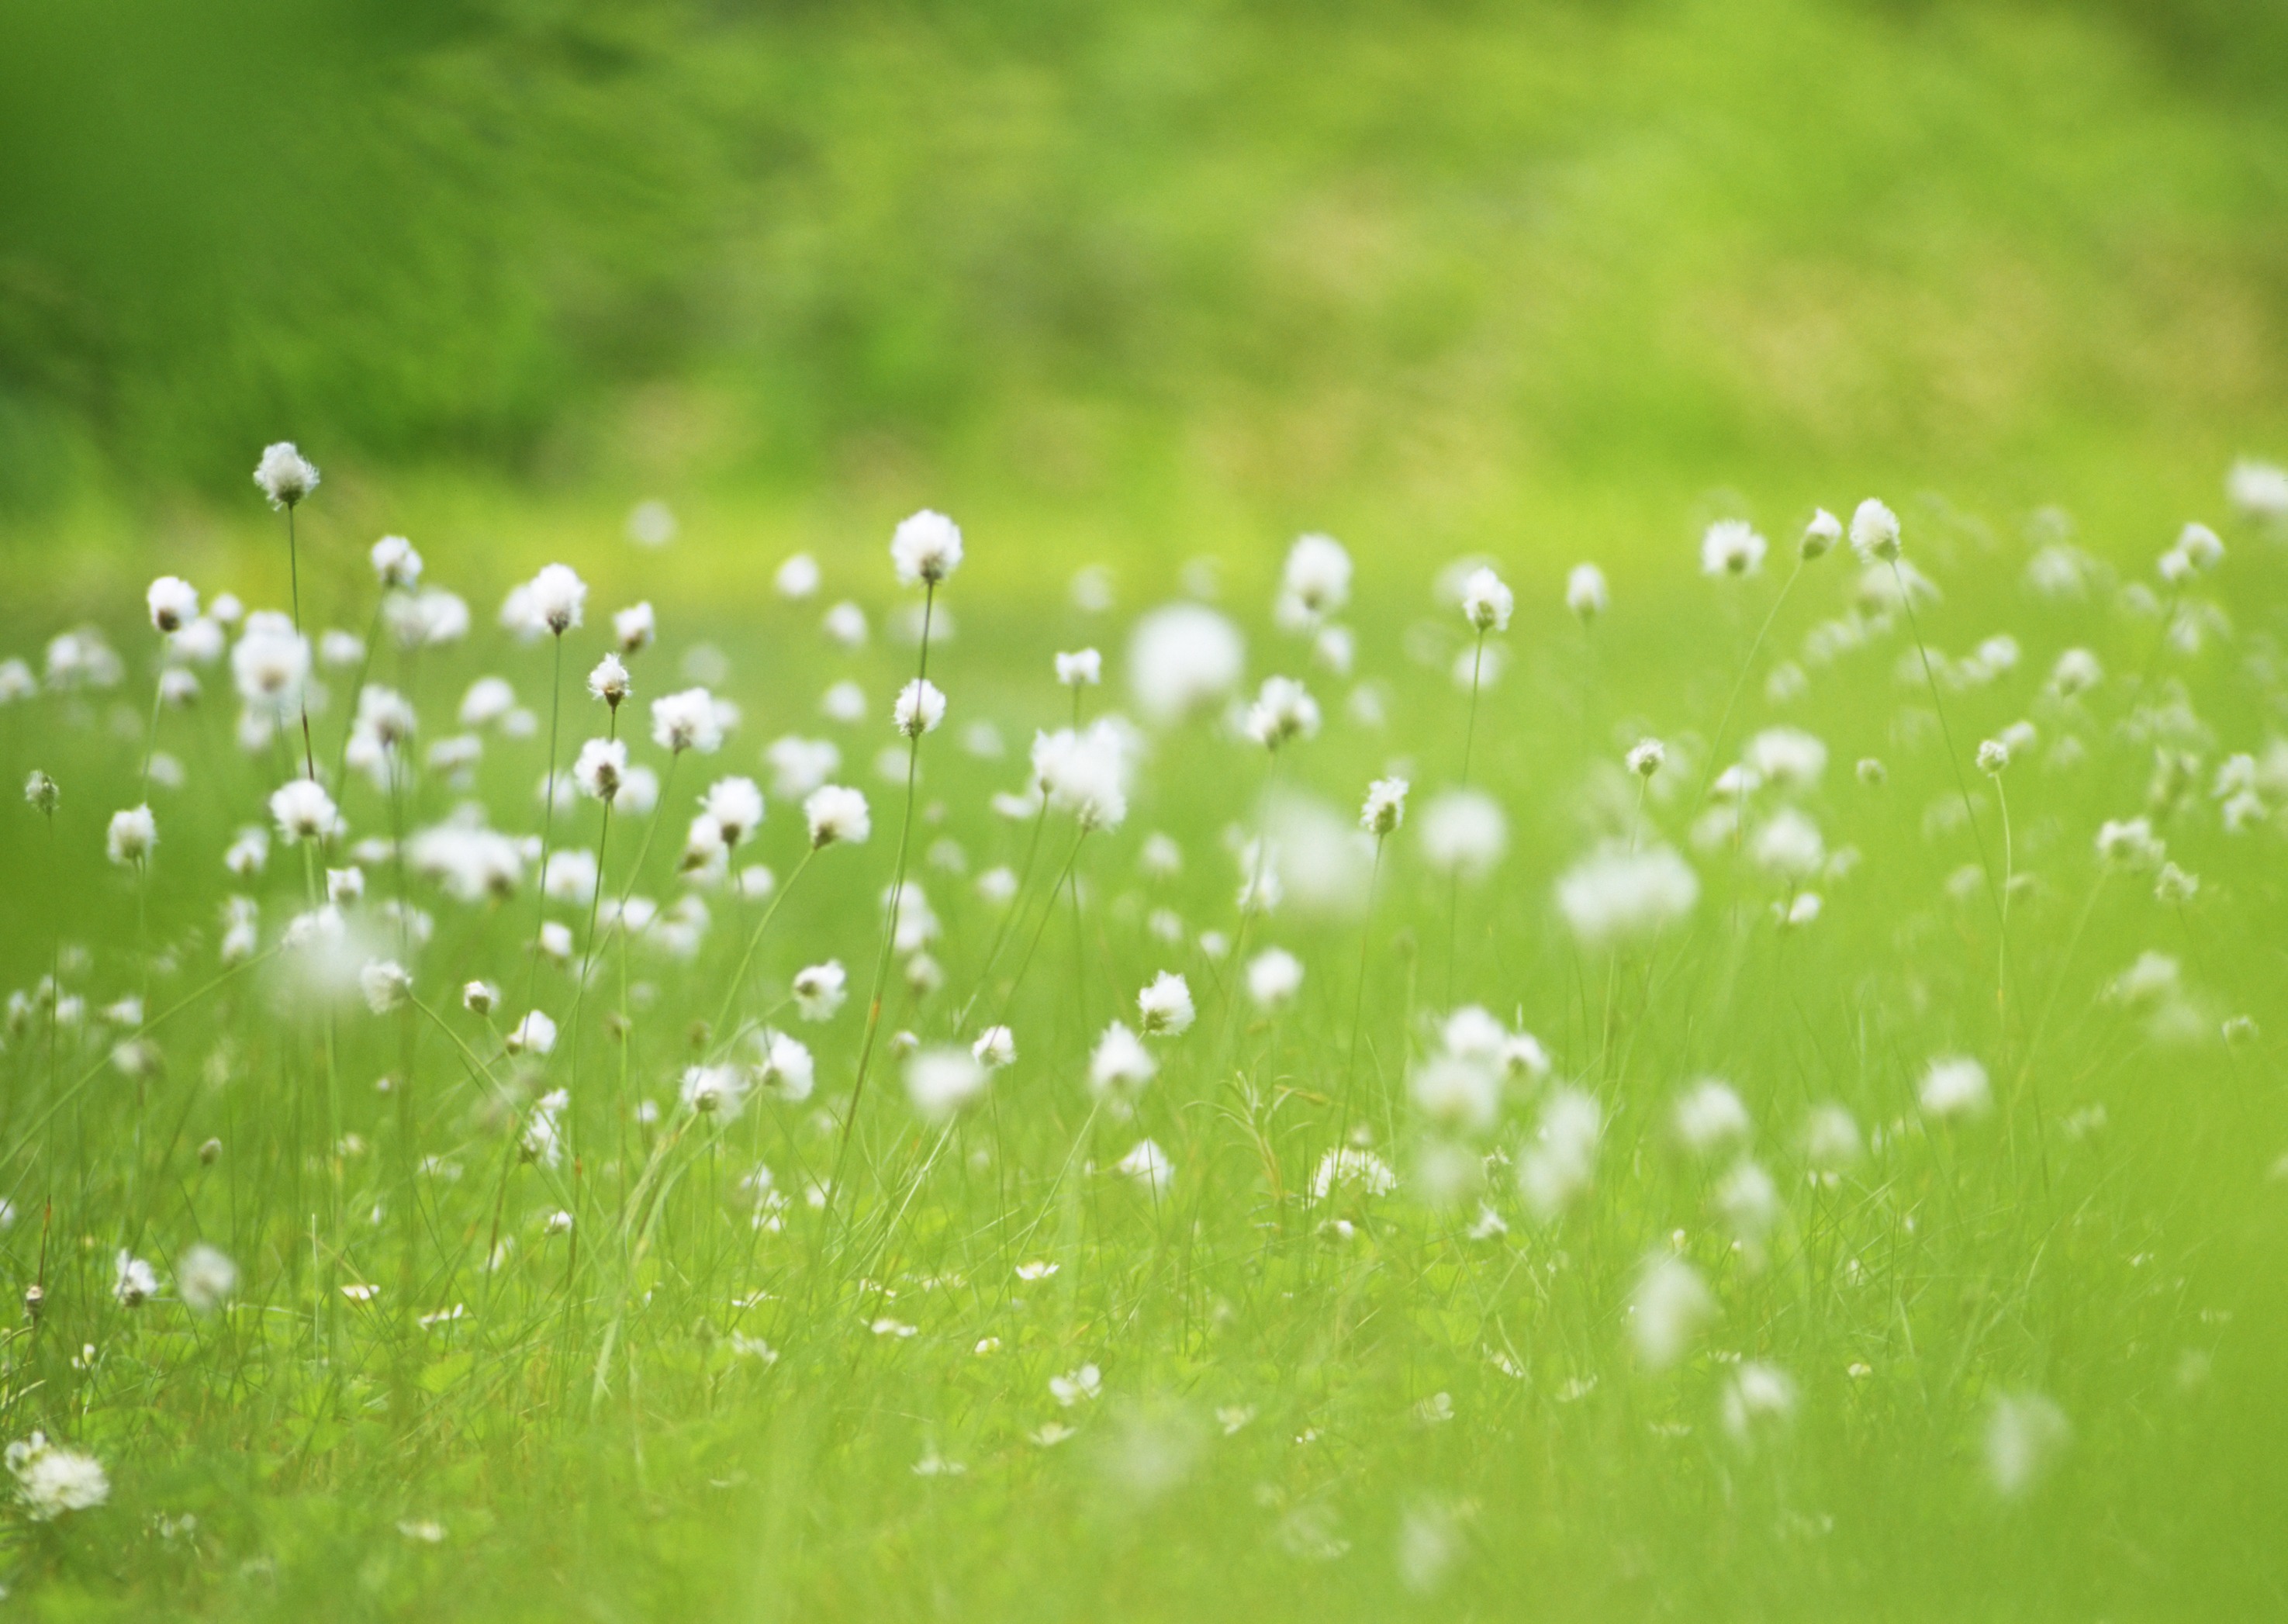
[{"x": 1443, "y": 1094}]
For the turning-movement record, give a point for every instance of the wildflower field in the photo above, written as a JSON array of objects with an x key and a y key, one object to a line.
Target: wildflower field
[{"x": 1446, "y": 1093}]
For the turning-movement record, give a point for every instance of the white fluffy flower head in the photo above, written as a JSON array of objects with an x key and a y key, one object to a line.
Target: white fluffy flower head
[
  {"x": 635, "y": 627},
  {"x": 173, "y": 602},
  {"x": 602, "y": 769},
  {"x": 1731, "y": 547},
  {"x": 131, "y": 835},
  {"x": 1163, "y": 1008},
  {"x": 1486, "y": 603},
  {"x": 686, "y": 721},
  {"x": 285, "y": 475},
  {"x": 736, "y": 807},
  {"x": 1615, "y": 895},
  {"x": 1182, "y": 658},
  {"x": 1084, "y": 773},
  {"x": 609, "y": 681},
  {"x": 1283, "y": 709},
  {"x": 304, "y": 811},
  {"x": 836, "y": 815},
  {"x": 1318, "y": 578},
  {"x": 920, "y": 708},
  {"x": 1385, "y": 808},
  {"x": 1464, "y": 832},
  {"x": 940, "y": 1081},
  {"x": 52, "y": 1480},
  {"x": 1120, "y": 1066},
  {"x": 1273, "y": 977},
  {"x": 925, "y": 549},
  {"x": 559, "y": 595},
  {"x": 1875, "y": 532},
  {"x": 395, "y": 564},
  {"x": 1586, "y": 594}
]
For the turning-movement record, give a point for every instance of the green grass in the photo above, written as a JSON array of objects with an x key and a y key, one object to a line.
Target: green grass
[
  {"x": 2104, "y": 1237},
  {"x": 1140, "y": 256}
]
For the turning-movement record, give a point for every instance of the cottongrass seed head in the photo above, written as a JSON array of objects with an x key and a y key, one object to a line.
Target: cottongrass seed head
[
  {"x": 1384, "y": 809},
  {"x": 1731, "y": 547},
  {"x": 285, "y": 475},
  {"x": 1616, "y": 896},
  {"x": 1875, "y": 532},
  {"x": 52, "y": 1480},
  {"x": 941, "y": 1081},
  {"x": 837, "y": 816},
  {"x": 1670, "y": 1306},
  {"x": 131, "y": 835},
  {"x": 1954, "y": 1086},
  {"x": 925, "y": 549},
  {"x": 1487, "y": 604}
]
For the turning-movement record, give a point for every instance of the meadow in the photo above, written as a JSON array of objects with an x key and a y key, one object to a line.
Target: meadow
[{"x": 1404, "y": 1086}]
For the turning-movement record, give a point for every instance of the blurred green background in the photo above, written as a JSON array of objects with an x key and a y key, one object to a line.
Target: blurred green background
[{"x": 1133, "y": 277}]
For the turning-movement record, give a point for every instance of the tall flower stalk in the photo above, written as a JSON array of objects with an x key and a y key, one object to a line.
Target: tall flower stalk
[
  {"x": 287, "y": 478},
  {"x": 925, "y": 551}
]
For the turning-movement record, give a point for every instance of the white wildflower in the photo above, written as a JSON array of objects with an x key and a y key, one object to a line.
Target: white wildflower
[
  {"x": 919, "y": 709},
  {"x": 1586, "y": 593},
  {"x": 1955, "y": 1086},
  {"x": 609, "y": 681},
  {"x": 1164, "y": 1008},
  {"x": 836, "y": 815},
  {"x": 1709, "y": 1118},
  {"x": 1557, "y": 1168},
  {"x": 1615, "y": 896},
  {"x": 1147, "y": 1164},
  {"x": 385, "y": 986},
  {"x": 716, "y": 1091},
  {"x": 131, "y": 835},
  {"x": 1273, "y": 977},
  {"x": 1464, "y": 832},
  {"x": 940, "y": 1081},
  {"x": 820, "y": 989},
  {"x": 1085, "y": 773},
  {"x": 925, "y": 549},
  {"x": 686, "y": 721},
  {"x": 2025, "y": 1435},
  {"x": 798, "y": 577},
  {"x": 1670, "y": 1306},
  {"x": 1120, "y": 1066},
  {"x": 52, "y": 1480},
  {"x": 602, "y": 768},
  {"x": 1487, "y": 604},
  {"x": 536, "y": 1033},
  {"x": 635, "y": 627},
  {"x": 285, "y": 475},
  {"x": 1182, "y": 658},
  {"x": 395, "y": 564},
  {"x": 995, "y": 1048},
  {"x": 1283, "y": 711},
  {"x": 204, "y": 1277},
  {"x": 1760, "y": 1399},
  {"x": 1316, "y": 581},
  {"x": 304, "y": 811},
  {"x": 1731, "y": 547},
  {"x": 173, "y": 602},
  {"x": 1875, "y": 532},
  {"x": 1821, "y": 535},
  {"x": 1385, "y": 808}
]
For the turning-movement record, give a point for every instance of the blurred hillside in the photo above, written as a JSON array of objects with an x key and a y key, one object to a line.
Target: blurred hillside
[{"x": 1157, "y": 256}]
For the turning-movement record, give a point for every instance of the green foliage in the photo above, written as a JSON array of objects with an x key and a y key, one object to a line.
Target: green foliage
[
  {"x": 1339, "y": 1403},
  {"x": 1132, "y": 250}
]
